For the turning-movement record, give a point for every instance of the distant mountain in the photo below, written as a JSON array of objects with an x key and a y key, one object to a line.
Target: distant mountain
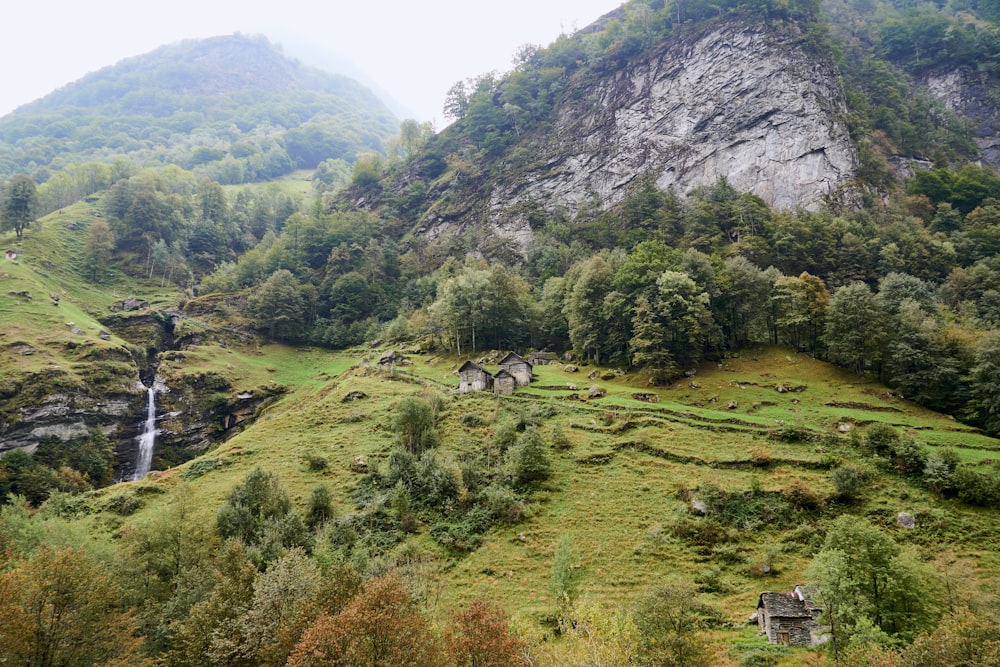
[{"x": 234, "y": 108}]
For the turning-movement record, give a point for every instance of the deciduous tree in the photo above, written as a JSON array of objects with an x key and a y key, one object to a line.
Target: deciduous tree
[
  {"x": 381, "y": 627},
  {"x": 480, "y": 636}
]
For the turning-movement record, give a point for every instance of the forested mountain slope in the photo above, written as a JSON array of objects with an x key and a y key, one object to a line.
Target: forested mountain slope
[
  {"x": 233, "y": 108},
  {"x": 800, "y": 103}
]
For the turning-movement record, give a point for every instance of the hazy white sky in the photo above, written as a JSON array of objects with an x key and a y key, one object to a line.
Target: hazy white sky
[{"x": 414, "y": 50}]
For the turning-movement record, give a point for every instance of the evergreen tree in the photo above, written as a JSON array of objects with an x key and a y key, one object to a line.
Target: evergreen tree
[{"x": 19, "y": 199}]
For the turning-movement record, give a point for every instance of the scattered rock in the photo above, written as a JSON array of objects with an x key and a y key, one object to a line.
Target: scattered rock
[
  {"x": 104, "y": 334},
  {"x": 732, "y": 405},
  {"x": 694, "y": 385},
  {"x": 24, "y": 294},
  {"x": 571, "y": 386},
  {"x": 593, "y": 375},
  {"x": 690, "y": 373},
  {"x": 77, "y": 331},
  {"x": 698, "y": 507},
  {"x": 393, "y": 357},
  {"x": 596, "y": 391},
  {"x": 353, "y": 396},
  {"x": 129, "y": 304},
  {"x": 845, "y": 427},
  {"x": 24, "y": 350},
  {"x": 360, "y": 464},
  {"x": 646, "y": 398},
  {"x": 906, "y": 520},
  {"x": 570, "y": 368}
]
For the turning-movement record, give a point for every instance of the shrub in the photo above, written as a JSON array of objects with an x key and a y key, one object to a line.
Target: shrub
[
  {"x": 471, "y": 420},
  {"x": 320, "y": 506},
  {"x": 977, "y": 488},
  {"x": 200, "y": 467},
  {"x": 412, "y": 421},
  {"x": 849, "y": 482},
  {"x": 880, "y": 440},
  {"x": 559, "y": 439},
  {"x": 909, "y": 457},
  {"x": 502, "y": 504},
  {"x": 123, "y": 504},
  {"x": 316, "y": 463},
  {"x": 528, "y": 460},
  {"x": 802, "y": 497},
  {"x": 939, "y": 470}
]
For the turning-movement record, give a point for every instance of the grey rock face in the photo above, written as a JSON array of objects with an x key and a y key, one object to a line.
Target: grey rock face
[
  {"x": 68, "y": 416},
  {"x": 966, "y": 93},
  {"x": 738, "y": 101}
]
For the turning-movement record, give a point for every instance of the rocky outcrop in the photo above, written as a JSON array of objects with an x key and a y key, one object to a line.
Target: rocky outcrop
[
  {"x": 744, "y": 102},
  {"x": 68, "y": 415},
  {"x": 194, "y": 420},
  {"x": 970, "y": 96}
]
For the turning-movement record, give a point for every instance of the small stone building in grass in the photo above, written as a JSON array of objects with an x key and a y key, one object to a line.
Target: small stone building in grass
[
  {"x": 517, "y": 366},
  {"x": 788, "y": 618},
  {"x": 473, "y": 377},
  {"x": 504, "y": 383}
]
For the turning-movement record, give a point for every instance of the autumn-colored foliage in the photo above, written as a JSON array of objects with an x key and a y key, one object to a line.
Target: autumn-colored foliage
[
  {"x": 381, "y": 627},
  {"x": 60, "y": 609},
  {"x": 480, "y": 636}
]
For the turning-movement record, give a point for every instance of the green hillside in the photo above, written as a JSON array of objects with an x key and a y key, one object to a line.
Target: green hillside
[{"x": 737, "y": 399}]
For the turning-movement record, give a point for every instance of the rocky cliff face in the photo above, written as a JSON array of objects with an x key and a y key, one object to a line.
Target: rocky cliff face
[
  {"x": 970, "y": 95},
  {"x": 739, "y": 101}
]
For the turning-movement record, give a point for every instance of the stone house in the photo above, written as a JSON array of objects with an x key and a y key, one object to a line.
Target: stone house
[
  {"x": 787, "y": 618},
  {"x": 543, "y": 358},
  {"x": 473, "y": 377},
  {"x": 517, "y": 366},
  {"x": 504, "y": 383}
]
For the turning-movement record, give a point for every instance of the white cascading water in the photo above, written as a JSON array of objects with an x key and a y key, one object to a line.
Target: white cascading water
[{"x": 148, "y": 438}]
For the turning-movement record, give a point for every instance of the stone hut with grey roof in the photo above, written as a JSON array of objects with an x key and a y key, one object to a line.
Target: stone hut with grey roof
[
  {"x": 504, "y": 383},
  {"x": 473, "y": 377},
  {"x": 788, "y": 618},
  {"x": 517, "y": 366}
]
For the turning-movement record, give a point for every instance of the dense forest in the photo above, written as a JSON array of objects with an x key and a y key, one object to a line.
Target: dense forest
[{"x": 903, "y": 289}]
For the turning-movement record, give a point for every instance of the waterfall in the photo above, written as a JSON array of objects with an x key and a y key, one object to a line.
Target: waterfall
[{"x": 147, "y": 439}]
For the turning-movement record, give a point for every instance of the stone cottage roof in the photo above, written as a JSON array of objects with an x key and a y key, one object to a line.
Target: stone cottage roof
[
  {"x": 503, "y": 373},
  {"x": 783, "y": 605},
  {"x": 514, "y": 358},
  {"x": 472, "y": 366}
]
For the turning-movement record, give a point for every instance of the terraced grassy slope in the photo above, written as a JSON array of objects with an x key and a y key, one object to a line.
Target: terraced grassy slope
[{"x": 622, "y": 482}]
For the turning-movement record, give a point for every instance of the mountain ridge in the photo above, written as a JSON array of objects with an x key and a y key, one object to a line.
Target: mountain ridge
[{"x": 254, "y": 113}]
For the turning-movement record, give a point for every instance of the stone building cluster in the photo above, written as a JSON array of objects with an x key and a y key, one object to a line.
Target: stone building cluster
[{"x": 514, "y": 371}]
